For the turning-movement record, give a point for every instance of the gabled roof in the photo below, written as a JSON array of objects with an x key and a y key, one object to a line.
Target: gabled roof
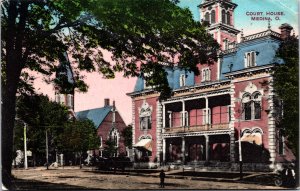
[{"x": 96, "y": 115}]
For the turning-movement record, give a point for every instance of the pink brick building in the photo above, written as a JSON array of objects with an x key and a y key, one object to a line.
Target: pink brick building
[{"x": 231, "y": 100}]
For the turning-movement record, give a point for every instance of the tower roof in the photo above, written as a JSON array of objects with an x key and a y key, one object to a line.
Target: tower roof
[
  {"x": 64, "y": 80},
  {"x": 206, "y": 3}
]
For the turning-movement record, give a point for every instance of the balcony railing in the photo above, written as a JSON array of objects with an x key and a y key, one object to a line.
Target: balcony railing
[{"x": 197, "y": 128}]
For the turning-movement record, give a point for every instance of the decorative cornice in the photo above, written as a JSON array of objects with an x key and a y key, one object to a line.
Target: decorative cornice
[
  {"x": 261, "y": 35},
  {"x": 249, "y": 71},
  {"x": 211, "y": 2},
  {"x": 223, "y": 26}
]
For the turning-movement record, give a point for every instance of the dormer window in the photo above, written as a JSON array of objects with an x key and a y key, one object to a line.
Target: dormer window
[
  {"x": 182, "y": 80},
  {"x": 250, "y": 59},
  {"x": 205, "y": 74}
]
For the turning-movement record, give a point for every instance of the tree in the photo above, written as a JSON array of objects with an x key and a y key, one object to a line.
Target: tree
[
  {"x": 35, "y": 33},
  {"x": 79, "y": 137},
  {"x": 110, "y": 148},
  {"x": 40, "y": 115},
  {"x": 286, "y": 86},
  {"x": 127, "y": 134}
]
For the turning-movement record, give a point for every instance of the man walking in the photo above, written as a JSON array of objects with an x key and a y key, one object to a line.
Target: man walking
[{"x": 162, "y": 176}]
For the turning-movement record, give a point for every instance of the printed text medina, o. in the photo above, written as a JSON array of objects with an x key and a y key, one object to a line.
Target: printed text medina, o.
[{"x": 262, "y": 16}]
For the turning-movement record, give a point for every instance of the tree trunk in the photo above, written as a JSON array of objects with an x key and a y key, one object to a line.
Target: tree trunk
[
  {"x": 14, "y": 63},
  {"x": 8, "y": 118}
]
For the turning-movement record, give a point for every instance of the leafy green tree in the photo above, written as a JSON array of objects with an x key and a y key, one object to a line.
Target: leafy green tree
[
  {"x": 127, "y": 134},
  {"x": 40, "y": 115},
  {"x": 286, "y": 86},
  {"x": 35, "y": 33},
  {"x": 79, "y": 137},
  {"x": 110, "y": 148}
]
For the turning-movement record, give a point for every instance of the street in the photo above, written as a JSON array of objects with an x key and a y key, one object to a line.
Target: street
[{"x": 86, "y": 178}]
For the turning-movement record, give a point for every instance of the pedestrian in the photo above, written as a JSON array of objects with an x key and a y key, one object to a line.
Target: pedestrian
[
  {"x": 290, "y": 176},
  {"x": 162, "y": 176}
]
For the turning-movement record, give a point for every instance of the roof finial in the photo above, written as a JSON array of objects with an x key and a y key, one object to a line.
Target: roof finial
[{"x": 269, "y": 24}]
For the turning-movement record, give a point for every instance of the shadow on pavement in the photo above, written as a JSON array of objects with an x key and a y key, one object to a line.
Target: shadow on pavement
[
  {"x": 21, "y": 184},
  {"x": 209, "y": 174}
]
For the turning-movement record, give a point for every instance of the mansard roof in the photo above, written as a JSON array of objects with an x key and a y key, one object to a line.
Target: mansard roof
[
  {"x": 96, "y": 115},
  {"x": 265, "y": 44}
]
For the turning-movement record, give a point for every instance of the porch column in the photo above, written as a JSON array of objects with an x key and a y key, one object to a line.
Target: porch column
[
  {"x": 164, "y": 117},
  {"x": 183, "y": 150},
  {"x": 206, "y": 148},
  {"x": 206, "y": 109},
  {"x": 164, "y": 150},
  {"x": 183, "y": 114}
]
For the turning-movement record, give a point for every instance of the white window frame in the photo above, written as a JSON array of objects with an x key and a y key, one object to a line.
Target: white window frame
[
  {"x": 145, "y": 113},
  {"x": 252, "y": 105},
  {"x": 147, "y": 121},
  {"x": 250, "y": 59},
  {"x": 206, "y": 74},
  {"x": 182, "y": 80}
]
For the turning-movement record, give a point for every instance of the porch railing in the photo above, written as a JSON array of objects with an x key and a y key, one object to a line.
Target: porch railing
[{"x": 197, "y": 128}]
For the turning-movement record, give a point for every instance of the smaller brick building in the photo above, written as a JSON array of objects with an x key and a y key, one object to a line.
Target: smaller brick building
[{"x": 109, "y": 124}]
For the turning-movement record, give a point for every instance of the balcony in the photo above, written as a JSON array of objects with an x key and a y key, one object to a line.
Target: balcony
[{"x": 198, "y": 128}]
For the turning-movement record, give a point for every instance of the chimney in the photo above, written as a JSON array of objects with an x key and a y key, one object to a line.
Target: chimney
[
  {"x": 285, "y": 31},
  {"x": 114, "y": 105},
  {"x": 106, "y": 102}
]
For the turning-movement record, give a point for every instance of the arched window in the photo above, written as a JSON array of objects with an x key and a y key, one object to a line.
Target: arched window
[
  {"x": 253, "y": 136},
  {"x": 247, "y": 106},
  {"x": 213, "y": 16},
  {"x": 205, "y": 74},
  {"x": 206, "y": 17},
  {"x": 114, "y": 137},
  {"x": 250, "y": 59},
  {"x": 228, "y": 18},
  {"x": 251, "y": 106},
  {"x": 223, "y": 16},
  {"x": 145, "y": 116}
]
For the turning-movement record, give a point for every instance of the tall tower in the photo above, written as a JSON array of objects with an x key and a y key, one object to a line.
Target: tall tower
[
  {"x": 64, "y": 84},
  {"x": 220, "y": 16}
]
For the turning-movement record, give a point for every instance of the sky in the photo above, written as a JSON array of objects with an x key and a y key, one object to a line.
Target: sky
[{"x": 116, "y": 89}]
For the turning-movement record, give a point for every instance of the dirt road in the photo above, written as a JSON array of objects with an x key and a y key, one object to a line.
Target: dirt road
[{"x": 79, "y": 179}]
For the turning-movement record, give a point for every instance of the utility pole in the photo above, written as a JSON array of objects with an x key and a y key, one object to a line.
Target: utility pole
[
  {"x": 240, "y": 155},
  {"x": 47, "y": 155},
  {"x": 25, "y": 147}
]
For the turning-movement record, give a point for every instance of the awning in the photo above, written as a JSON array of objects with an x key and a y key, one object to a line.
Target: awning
[{"x": 144, "y": 143}]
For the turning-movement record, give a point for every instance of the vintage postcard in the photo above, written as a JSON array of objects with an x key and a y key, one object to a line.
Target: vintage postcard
[{"x": 160, "y": 94}]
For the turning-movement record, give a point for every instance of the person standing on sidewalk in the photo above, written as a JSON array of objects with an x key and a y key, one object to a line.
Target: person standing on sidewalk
[{"x": 162, "y": 176}]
